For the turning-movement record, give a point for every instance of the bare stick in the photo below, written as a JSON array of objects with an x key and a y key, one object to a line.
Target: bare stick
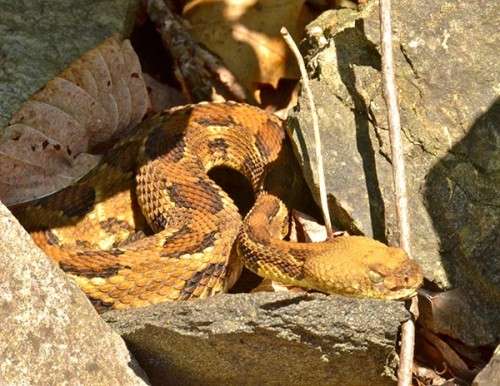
[
  {"x": 398, "y": 168},
  {"x": 406, "y": 352},
  {"x": 315, "y": 122},
  {"x": 391, "y": 100}
]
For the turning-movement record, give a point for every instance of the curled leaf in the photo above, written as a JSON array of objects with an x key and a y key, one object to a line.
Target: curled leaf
[
  {"x": 54, "y": 138},
  {"x": 246, "y": 35}
]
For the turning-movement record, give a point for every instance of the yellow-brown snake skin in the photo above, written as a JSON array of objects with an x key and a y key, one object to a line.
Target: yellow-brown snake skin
[{"x": 195, "y": 223}]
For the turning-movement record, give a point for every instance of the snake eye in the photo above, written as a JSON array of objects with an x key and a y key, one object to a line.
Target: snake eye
[{"x": 375, "y": 277}]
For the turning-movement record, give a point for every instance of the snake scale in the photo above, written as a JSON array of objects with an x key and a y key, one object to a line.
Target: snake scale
[{"x": 197, "y": 227}]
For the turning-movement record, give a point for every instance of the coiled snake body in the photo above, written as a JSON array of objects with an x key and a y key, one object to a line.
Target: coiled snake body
[{"x": 196, "y": 223}]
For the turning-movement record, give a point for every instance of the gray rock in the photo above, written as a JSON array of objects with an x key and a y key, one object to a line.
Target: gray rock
[
  {"x": 450, "y": 120},
  {"x": 265, "y": 339},
  {"x": 490, "y": 375},
  {"x": 50, "y": 334},
  {"x": 38, "y": 39}
]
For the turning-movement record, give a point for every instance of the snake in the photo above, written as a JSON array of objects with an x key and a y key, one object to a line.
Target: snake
[{"x": 195, "y": 235}]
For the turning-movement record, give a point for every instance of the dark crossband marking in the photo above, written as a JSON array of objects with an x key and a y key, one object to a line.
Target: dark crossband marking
[
  {"x": 216, "y": 121},
  {"x": 181, "y": 233},
  {"x": 51, "y": 238},
  {"x": 90, "y": 272},
  {"x": 73, "y": 201},
  {"x": 178, "y": 196},
  {"x": 263, "y": 148},
  {"x": 216, "y": 204},
  {"x": 217, "y": 270},
  {"x": 159, "y": 221},
  {"x": 220, "y": 146},
  {"x": 182, "y": 237},
  {"x": 159, "y": 143},
  {"x": 112, "y": 224}
]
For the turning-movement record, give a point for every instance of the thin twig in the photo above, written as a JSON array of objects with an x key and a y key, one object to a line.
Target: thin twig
[
  {"x": 406, "y": 352},
  {"x": 315, "y": 122},
  {"x": 391, "y": 99},
  {"x": 398, "y": 167}
]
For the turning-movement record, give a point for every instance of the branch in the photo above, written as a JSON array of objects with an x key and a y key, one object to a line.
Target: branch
[
  {"x": 398, "y": 165},
  {"x": 315, "y": 122},
  {"x": 201, "y": 74},
  {"x": 391, "y": 100}
]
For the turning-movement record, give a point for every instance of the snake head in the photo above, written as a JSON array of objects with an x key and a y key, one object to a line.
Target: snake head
[
  {"x": 397, "y": 278},
  {"x": 362, "y": 267}
]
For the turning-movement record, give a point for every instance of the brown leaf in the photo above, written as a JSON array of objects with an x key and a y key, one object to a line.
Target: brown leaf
[
  {"x": 444, "y": 354},
  {"x": 427, "y": 376},
  {"x": 246, "y": 35},
  {"x": 50, "y": 120},
  {"x": 136, "y": 85},
  {"x": 76, "y": 102},
  {"x": 307, "y": 228},
  {"x": 446, "y": 312},
  {"x": 93, "y": 66},
  {"x": 119, "y": 83},
  {"x": 98, "y": 98},
  {"x": 268, "y": 285},
  {"x": 162, "y": 95}
]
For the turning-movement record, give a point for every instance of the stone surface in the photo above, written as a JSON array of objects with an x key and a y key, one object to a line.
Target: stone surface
[
  {"x": 38, "y": 39},
  {"x": 490, "y": 375},
  {"x": 265, "y": 339},
  {"x": 450, "y": 120},
  {"x": 51, "y": 335}
]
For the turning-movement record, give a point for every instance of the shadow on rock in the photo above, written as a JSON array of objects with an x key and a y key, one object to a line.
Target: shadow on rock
[
  {"x": 462, "y": 194},
  {"x": 364, "y": 54}
]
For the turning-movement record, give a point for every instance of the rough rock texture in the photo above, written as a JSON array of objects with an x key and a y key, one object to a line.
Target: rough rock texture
[
  {"x": 265, "y": 339},
  {"x": 446, "y": 56},
  {"x": 490, "y": 375},
  {"x": 50, "y": 333},
  {"x": 40, "y": 38}
]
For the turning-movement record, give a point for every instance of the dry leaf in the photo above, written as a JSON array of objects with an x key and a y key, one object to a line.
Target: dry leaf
[
  {"x": 119, "y": 88},
  {"x": 442, "y": 354},
  {"x": 268, "y": 285},
  {"x": 48, "y": 144},
  {"x": 162, "y": 95},
  {"x": 307, "y": 228},
  {"x": 246, "y": 35},
  {"x": 445, "y": 312},
  {"x": 427, "y": 376},
  {"x": 136, "y": 85}
]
